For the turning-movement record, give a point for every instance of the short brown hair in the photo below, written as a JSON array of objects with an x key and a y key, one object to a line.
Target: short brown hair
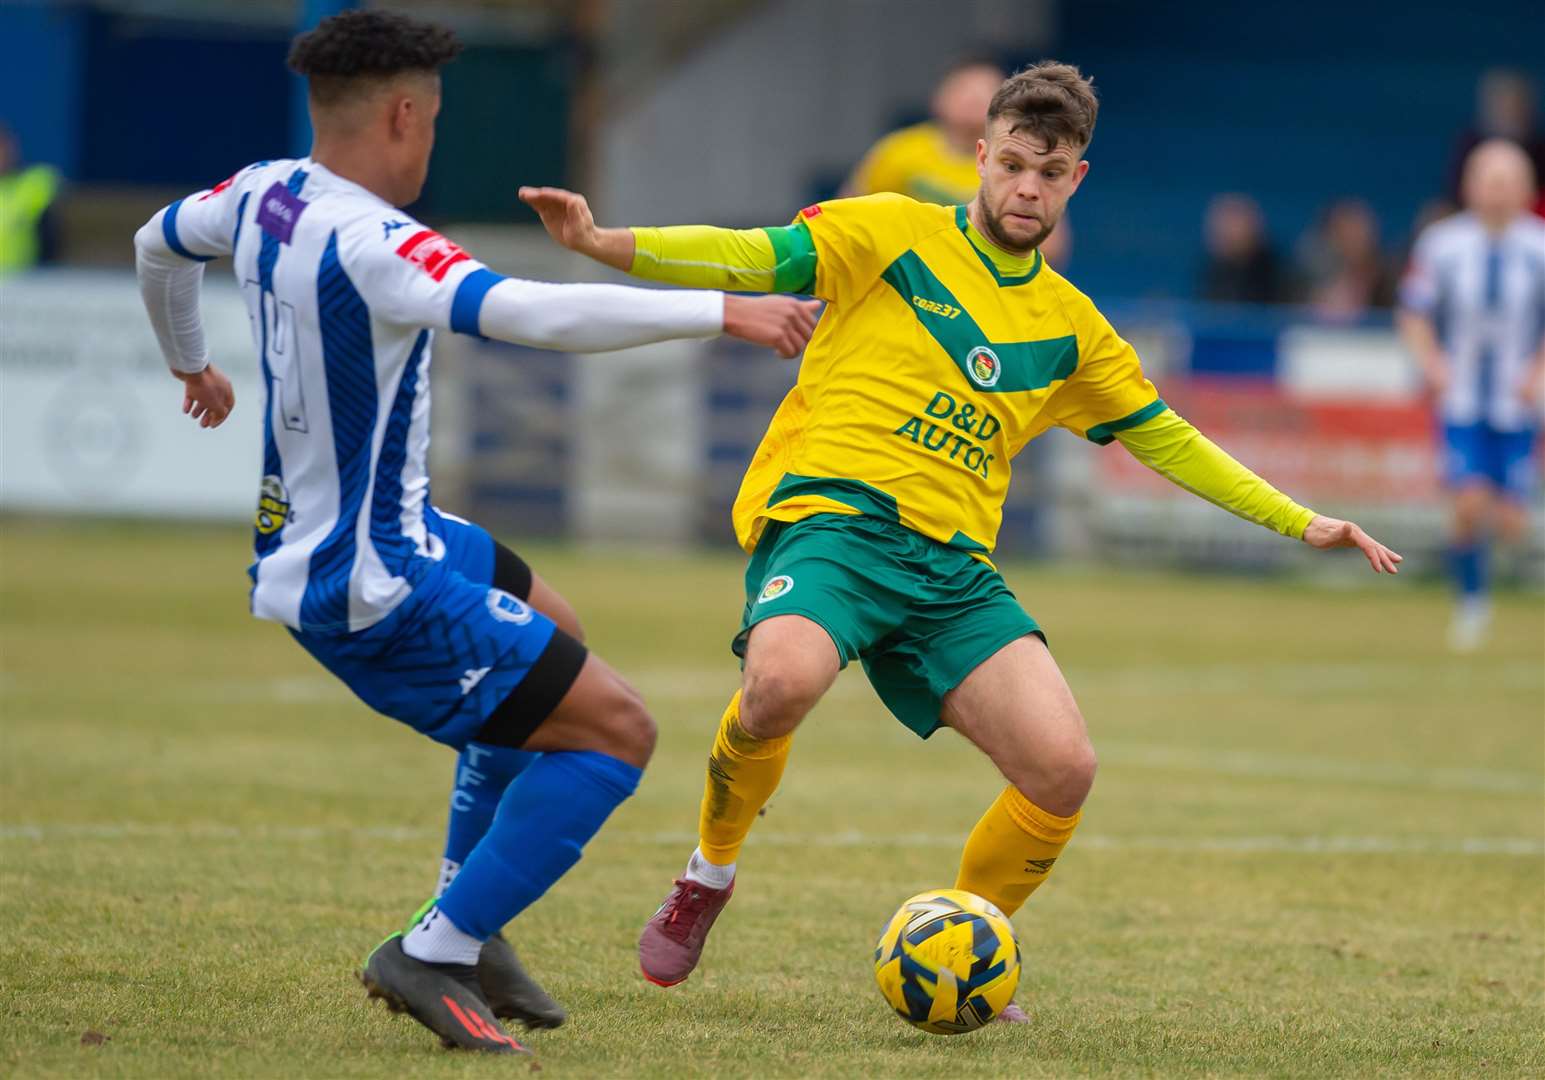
[{"x": 1052, "y": 102}]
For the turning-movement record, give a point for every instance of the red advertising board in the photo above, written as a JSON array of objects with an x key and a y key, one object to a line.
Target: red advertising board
[{"x": 1379, "y": 451}]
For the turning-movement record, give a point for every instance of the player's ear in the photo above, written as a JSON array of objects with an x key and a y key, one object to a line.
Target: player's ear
[
  {"x": 981, "y": 159},
  {"x": 1080, "y": 171},
  {"x": 402, "y": 115}
]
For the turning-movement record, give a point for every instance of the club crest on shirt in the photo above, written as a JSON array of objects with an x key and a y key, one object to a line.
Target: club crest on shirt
[
  {"x": 775, "y": 587},
  {"x": 983, "y": 366},
  {"x": 273, "y": 508},
  {"x": 506, "y": 608},
  {"x": 432, "y": 253}
]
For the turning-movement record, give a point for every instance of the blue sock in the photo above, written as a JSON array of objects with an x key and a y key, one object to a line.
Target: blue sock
[
  {"x": 1469, "y": 567},
  {"x": 544, "y": 819},
  {"x": 482, "y": 774}
]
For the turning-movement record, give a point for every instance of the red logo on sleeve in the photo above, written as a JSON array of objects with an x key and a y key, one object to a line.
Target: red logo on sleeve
[
  {"x": 432, "y": 253},
  {"x": 813, "y": 210},
  {"x": 221, "y": 186}
]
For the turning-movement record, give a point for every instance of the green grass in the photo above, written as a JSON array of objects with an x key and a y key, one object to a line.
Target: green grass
[{"x": 1314, "y": 848}]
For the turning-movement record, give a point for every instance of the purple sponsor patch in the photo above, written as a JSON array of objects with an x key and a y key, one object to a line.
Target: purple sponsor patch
[{"x": 279, "y": 211}]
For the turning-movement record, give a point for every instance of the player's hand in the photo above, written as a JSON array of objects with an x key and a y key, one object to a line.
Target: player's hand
[
  {"x": 1328, "y": 532},
  {"x": 1436, "y": 375},
  {"x": 566, "y": 217},
  {"x": 779, "y": 322},
  {"x": 207, "y": 397},
  {"x": 1532, "y": 390}
]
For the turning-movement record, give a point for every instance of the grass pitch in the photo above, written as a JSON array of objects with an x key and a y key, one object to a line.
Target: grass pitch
[{"x": 1314, "y": 848}]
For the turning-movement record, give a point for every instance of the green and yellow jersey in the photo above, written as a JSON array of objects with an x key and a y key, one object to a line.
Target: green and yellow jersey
[
  {"x": 937, "y": 359},
  {"x": 918, "y": 162}
]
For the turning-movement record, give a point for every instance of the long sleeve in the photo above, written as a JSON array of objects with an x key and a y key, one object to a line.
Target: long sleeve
[
  {"x": 170, "y": 251},
  {"x": 593, "y": 318},
  {"x": 778, "y": 260},
  {"x": 1174, "y": 449},
  {"x": 169, "y": 285}
]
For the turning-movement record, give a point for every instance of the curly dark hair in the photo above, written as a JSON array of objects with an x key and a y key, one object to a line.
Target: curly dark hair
[
  {"x": 348, "y": 49},
  {"x": 1052, "y": 102}
]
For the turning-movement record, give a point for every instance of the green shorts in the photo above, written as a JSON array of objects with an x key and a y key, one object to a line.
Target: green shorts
[{"x": 920, "y": 615}]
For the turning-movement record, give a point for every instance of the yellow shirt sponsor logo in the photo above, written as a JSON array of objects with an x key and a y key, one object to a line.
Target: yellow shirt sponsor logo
[{"x": 949, "y": 311}]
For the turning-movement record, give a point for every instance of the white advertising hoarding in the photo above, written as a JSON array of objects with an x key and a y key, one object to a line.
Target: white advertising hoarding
[{"x": 91, "y": 421}]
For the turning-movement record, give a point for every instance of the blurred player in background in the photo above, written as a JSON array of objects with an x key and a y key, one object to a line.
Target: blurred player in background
[
  {"x": 426, "y": 617},
  {"x": 873, "y": 503},
  {"x": 935, "y": 161},
  {"x": 1473, "y": 315}
]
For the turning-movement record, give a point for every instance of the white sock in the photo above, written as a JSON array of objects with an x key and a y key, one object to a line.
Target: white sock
[
  {"x": 436, "y": 940},
  {"x": 448, "y": 871},
  {"x": 708, "y": 873}
]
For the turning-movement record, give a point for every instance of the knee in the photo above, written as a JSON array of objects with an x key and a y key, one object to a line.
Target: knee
[
  {"x": 1063, "y": 780},
  {"x": 774, "y": 702},
  {"x": 632, "y": 730},
  {"x": 1471, "y": 509}
]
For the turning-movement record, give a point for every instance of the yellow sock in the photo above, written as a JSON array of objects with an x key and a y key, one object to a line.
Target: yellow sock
[
  {"x": 743, "y": 772},
  {"x": 1011, "y": 850}
]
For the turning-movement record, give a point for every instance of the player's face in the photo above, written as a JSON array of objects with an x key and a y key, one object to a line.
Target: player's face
[
  {"x": 1498, "y": 182},
  {"x": 1025, "y": 188}
]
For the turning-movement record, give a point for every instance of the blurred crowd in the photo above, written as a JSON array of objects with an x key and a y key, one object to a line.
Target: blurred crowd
[{"x": 1342, "y": 266}]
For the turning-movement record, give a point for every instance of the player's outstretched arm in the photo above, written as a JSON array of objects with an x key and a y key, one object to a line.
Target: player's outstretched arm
[
  {"x": 1174, "y": 449},
  {"x": 778, "y": 259},
  {"x": 597, "y": 318},
  {"x": 169, "y": 283}
]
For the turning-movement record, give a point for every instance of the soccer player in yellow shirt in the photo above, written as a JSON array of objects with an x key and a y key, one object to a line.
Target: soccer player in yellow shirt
[
  {"x": 873, "y": 503},
  {"x": 934, "y": 161}
]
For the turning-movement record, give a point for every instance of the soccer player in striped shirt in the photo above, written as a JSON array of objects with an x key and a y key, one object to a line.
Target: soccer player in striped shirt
[
  {"x": 1473, "y": 314},
  {"x": 423, "y": 615},
  {"x": 871, "y": 508}
]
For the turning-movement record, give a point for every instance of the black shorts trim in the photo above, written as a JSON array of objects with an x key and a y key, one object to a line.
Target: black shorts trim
[
  {"x": 537, "y": 695},
  {"x": 511, "y": 573}
]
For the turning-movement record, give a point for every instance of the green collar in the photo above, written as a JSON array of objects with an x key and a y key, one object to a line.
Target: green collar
[{"x": 995, "y": 258}]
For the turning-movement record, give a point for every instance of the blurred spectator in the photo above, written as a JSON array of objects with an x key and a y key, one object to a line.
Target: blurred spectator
[
  {"x": 935, "y": 161},
  {"x": 27, "y": 193},
  {"x": 1343, "y": 270},
  {"x": 1241, "y": 267},
  {"x": 1506, "y": 108}
]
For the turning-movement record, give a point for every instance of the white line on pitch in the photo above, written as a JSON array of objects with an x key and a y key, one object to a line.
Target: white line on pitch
[{"x": 1237, "y": 845}]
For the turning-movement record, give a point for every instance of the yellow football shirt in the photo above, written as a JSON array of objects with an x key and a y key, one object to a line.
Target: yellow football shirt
[
  {"x": 930, "y": 369},
  {"x": 919, "y": 162}
]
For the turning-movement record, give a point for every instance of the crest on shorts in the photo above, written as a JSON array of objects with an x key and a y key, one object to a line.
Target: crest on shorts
[
  {"x": 775, "y": 587},
  {"x": 506, "y": 608},
  {"x": 984, "y": 366},
  {"x": 273, "y": 508}
]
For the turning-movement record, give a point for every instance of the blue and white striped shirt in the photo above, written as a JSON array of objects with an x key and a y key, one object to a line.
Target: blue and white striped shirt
[{"x": 1486, "y": 294}]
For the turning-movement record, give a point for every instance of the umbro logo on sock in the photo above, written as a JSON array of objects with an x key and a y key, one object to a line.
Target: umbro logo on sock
[
  {"x": 472, "y": 678},
  {"x": 1038, "y": 866}
]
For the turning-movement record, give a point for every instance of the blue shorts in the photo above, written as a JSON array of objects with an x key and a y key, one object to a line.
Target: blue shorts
[
  {"x": 1479, "y": 452},
  {"x": 461, "y": 659}
]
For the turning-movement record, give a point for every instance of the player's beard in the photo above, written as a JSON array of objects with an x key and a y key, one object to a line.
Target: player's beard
[{"x": 992, "y": 225}]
